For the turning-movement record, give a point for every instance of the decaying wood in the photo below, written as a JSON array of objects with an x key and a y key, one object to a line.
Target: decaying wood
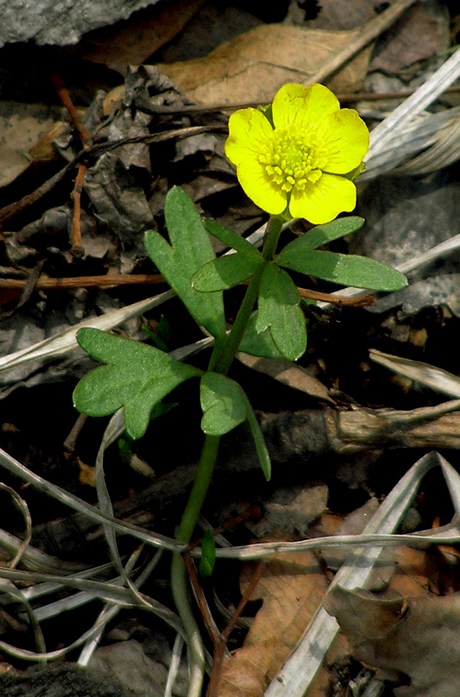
[
  {"x": 331, "y": 431},
  {"x": 365, "y": 429}
]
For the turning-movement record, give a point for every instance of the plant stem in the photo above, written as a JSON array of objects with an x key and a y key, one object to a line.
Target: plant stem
[
  {"x": 200, "y": 487},
  {"x": 230, "y": 347},
  {"x": 272, "y": 236},
  {"x": 180, "y": 591},
  {"x": 220, "y": 362},
  {"x": 179, "y": 585}
]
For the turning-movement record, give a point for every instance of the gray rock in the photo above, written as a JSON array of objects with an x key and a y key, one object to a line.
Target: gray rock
[
  {"x": 406, "y": 216},
  {"x": 58, "y": 680},
  {"x": 60, "y": 22}
]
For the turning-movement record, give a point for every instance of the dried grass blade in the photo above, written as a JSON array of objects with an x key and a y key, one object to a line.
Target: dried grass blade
[
  {"x": 424, "y": 373},
  {"x": 19, "y": 470},
  {"x": 383, "y": 135}
]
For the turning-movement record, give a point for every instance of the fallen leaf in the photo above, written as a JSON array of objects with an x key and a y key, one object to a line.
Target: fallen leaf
[
  {"x": 22, "y": 127},
  {"x": 337, "y": 14},
  {"x": 254, "y": 65},
  {"x": 291, "y": 588},
  {"x": 244, "y": 673},
  {"x": 418, "y": 637},
  {"x": 289, "y": 374},
  {"x": 419, "y": 34},
  {"x": 290, "y": 510},
  {"x": 411, "y": 571}
]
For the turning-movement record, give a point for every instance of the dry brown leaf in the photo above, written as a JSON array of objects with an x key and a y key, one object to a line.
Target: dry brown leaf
[
  {"x": 418, "y": 637},
  {"x": 412, "y": 572},
  {"x": 254, "y": 65},
  {"x": 419, "y": 34},
  {"x": 245, "y": 672},
  {"x": 24, "y": 136},
  {"x": 292, "y": 589},
  {"x": 289, "y": 374},
  {"x": 339, "y": 14}
]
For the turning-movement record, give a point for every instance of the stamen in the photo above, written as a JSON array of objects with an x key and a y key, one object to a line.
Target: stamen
[{"x": 291, "y": 160}]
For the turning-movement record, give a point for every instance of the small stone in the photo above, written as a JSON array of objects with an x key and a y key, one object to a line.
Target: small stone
[{"x": 60, "y": 23}]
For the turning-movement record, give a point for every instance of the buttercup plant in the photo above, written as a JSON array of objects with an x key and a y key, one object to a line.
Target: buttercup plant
[{"x": 296, "y": 158}]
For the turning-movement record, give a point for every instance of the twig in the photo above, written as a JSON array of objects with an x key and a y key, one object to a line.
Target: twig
[
  {"x": 370, "y": 31},
  {"x": 13, "y": 209},
  {"x": 343, "y": 97},
  {"x": 75, "y": 237},
  {"x": 202, "y": 603},
  {"x": 118, "y": 279},
  {"x": 85, "y": 137},
  {"x": 27, "y": 289},
  {"x": 255, "y": 578},
  {"x": 220, "y": 646},
  {"x": 115, "y": 279},
  {"x": 64, "y": 95}
]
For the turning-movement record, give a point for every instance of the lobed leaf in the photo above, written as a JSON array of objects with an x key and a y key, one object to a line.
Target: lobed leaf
[
  {"x": 279, "y": 311},
  {"x": 223, "y": 403},
  {"x": 259, "y": 343},
  {"x": 189, "y": 250},
  {"x": 230, "y": 238},
  {"x": 135, "y": 378},
  {"x": 225, "y": 272}
]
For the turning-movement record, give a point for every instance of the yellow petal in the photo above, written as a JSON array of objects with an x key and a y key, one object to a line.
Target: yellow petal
[
  {"x": 343, "y": 141},
  {"x": 249, "y": 132},
  {"x": 260, "y": 188},
  {"x": 322, "y": 202},
  {"x": 296, "y": 106}
]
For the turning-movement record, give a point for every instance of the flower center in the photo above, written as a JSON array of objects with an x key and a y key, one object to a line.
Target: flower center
[{"x": 291, "y": 160}]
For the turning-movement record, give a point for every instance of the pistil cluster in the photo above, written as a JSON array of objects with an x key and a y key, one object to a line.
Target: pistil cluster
[{"x": 290, "y": 162}]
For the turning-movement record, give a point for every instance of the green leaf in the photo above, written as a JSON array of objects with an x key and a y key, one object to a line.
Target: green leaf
[
  {"x": 279, "y": 311},
  {"x": 223, "y": 403},
  {"x": 136, "y": 377},
  {"x": 347, "y": 270},
  {"x": 321, "y": 234},
  {"x": 225, "y": 272},
  {"x": 190, "y": 248},
  {"x": 231, "y": 238},
  {"x": 259, "y": 442},
  {"x": 208, "y": 554},
  {"x": 259, "y": 343}
]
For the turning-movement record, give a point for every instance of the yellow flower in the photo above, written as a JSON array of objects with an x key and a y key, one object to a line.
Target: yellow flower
[{"x": 299, "y": 162}]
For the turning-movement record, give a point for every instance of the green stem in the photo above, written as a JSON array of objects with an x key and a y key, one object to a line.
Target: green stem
[
  {"x": 200, "y": 487},
  {"x": 180, "y": 591},
  {"x": 179, "y": 585},
  {"x": 272, "y": 236},
  {"x": 220, "y": 362},
  {"x": 227, "y": 354}
]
